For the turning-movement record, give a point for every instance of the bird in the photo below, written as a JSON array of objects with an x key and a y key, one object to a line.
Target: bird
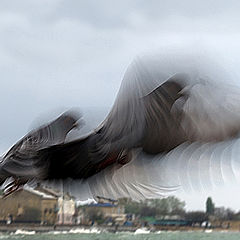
[{"x": 175, "y": 124}]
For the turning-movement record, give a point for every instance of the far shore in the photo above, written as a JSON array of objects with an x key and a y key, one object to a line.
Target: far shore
[{"x": 111, "y": 229}]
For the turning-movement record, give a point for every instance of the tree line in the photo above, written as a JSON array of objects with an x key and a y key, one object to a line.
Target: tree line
[{"x": 172, "y": 206}]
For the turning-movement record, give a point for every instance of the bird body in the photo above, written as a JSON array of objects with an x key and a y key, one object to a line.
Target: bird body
[{"x": 172, "y": 112}]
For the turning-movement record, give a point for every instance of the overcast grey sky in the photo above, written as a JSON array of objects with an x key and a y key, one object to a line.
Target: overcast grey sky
[{"x": 56, "y": 54}]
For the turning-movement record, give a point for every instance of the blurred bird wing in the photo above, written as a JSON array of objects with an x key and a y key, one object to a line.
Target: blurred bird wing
[
  {"x": 188, "y": 168},
  {"x": 211, "y": 112},
  {"x": 21, "y": 160},
  {"x": 47, "y": 135},
  {"x": 164, "y": 101},
  {"x": 144, "y": 94}
]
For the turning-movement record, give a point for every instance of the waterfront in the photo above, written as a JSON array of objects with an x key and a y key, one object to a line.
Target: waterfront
[{"x": 126, "y": 236}]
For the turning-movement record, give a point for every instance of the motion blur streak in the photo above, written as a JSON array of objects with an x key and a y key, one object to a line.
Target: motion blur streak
[{"x": 174, "y": 125}]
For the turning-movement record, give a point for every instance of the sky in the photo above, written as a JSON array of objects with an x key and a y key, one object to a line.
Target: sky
[{"x": 59, "y": 54}]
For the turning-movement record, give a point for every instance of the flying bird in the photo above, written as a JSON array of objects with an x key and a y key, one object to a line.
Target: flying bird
[{"x": 174, "y": 124}]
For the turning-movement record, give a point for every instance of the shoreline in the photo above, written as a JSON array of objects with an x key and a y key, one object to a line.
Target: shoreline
[{"x": 13, "y": 228}]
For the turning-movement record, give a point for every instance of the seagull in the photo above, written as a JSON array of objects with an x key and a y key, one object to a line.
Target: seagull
[{"x": 175, "y": 124}]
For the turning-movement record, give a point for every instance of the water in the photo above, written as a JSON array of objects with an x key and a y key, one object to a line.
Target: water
[{"x": 122, "y": 236}]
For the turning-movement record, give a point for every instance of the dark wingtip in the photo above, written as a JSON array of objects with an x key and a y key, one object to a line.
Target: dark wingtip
[
  {"x": 72, "y": 117},
  {"x": 74, "y": 113}
]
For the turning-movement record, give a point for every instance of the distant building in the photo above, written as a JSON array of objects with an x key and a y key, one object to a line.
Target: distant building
[
  {"x": 66, "y": 206},
  {"x": 67, "y": 209},
  {"x": 29, "y": 206},
  {"x": 107, "y": 208}
]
